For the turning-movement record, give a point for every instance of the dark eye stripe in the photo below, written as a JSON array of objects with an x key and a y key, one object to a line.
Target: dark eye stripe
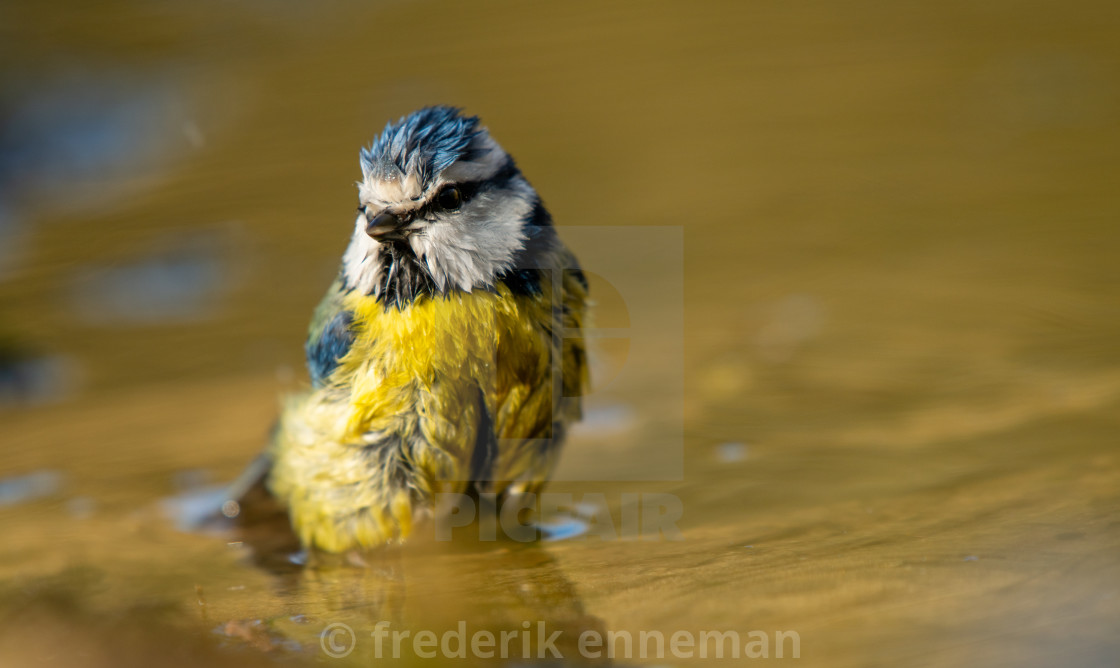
[
  {"x": 468, "y": 189},
  {"x": 499, "y": 180}
]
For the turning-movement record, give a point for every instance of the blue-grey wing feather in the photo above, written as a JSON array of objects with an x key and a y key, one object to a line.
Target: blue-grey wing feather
[{"x": 329, "y": 337}]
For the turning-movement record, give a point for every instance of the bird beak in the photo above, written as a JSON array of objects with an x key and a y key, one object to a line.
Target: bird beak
[{"x": 385, "y": 227}]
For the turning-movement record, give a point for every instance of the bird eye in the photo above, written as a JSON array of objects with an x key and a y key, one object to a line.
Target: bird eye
[{"x": 450, "y": 198}]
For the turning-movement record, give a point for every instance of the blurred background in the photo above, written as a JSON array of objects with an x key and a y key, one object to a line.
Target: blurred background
[{"x": 900, "y": 307}]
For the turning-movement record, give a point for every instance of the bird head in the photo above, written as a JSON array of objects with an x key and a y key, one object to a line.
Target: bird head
[{"x": 441, "y": 208}]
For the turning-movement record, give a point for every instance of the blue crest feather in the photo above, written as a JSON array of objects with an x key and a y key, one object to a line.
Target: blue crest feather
[{"x": 424, "y": 143}]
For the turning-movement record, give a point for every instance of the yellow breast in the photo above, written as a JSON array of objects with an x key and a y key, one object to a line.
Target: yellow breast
[
  {"x": 402, "y": 414},
  {"x": 446, "y": 347}
]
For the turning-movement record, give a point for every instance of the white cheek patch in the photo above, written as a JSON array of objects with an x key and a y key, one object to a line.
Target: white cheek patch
[
  {"x": 359, "y": 262},
  {"x": 471, "y": 248}
]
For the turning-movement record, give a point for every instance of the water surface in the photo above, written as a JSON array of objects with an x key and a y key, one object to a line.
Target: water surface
[{"x": 900, "y": 372}]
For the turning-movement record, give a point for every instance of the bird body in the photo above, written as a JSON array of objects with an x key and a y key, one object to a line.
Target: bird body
[{"x": 447, "y": 357}]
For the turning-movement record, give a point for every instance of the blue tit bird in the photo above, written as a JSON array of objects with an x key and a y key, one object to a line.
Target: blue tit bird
[{"x": 446, "y": 357}]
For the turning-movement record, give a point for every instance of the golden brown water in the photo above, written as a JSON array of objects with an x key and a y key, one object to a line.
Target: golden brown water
[{"x": 900, "y": 292}]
